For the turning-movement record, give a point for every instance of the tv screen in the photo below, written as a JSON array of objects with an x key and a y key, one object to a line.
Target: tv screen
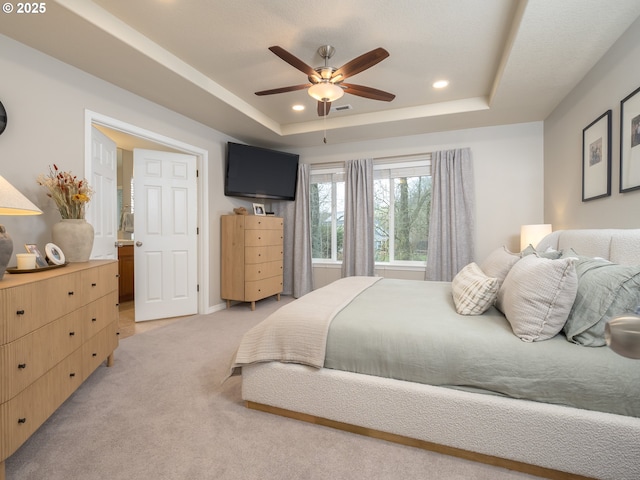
[{"x": 260, "y": 173}]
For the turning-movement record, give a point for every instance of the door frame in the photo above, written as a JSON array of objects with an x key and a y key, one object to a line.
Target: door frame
[{"x": 202, "y": 162}]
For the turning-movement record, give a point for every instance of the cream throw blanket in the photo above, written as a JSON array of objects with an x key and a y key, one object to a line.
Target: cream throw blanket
[{"x": 297, "y": 332}]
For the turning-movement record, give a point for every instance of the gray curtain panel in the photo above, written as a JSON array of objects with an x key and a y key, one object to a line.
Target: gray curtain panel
[
  {"x": 298, "y": 270},
  {"x": 358, "y": 256},
  {"x": 452, "y": 220}
]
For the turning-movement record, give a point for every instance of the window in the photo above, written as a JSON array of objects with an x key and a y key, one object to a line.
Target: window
[
  {"x": 327, "y": 213},
  {"x": 402, "y": 200}
]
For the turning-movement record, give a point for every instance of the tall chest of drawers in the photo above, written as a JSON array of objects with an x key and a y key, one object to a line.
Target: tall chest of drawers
[
  {"x": 252, "y": 257},
  {"x": 56, "y": 328}
]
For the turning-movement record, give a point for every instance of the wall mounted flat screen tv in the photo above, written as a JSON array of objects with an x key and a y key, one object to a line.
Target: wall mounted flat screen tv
[{"x": 256, "y": 172}]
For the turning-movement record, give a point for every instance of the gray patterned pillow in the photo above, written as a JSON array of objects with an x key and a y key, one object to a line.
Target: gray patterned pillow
[
  {"x": 537, "y": 296},
  {"x": 473, "y": 291}
]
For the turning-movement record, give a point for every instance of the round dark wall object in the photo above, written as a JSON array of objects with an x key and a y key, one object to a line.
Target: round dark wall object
[{"x": 3, "y": 118}]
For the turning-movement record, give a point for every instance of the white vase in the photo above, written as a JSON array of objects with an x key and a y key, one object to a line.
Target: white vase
[{"x": 75, "y": 239}]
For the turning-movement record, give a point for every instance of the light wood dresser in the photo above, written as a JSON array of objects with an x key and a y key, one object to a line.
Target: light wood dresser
[
  {"x": 56, "y": 327},
  {"x": 252, "y": 254}
]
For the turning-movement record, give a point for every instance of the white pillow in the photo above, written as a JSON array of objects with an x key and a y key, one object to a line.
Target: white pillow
[
  {"x": 498, "y": 263},
  {"x": 537, "y": 296},
  {"x": 473, "y": 292}
]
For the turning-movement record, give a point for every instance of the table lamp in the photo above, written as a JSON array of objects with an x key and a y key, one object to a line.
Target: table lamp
[
  {"x": 532, "y": 234},
  {"x": 12, "y": 202}
]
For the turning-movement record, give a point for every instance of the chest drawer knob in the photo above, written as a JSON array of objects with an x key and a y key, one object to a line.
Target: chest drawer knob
[
  {"x": 72, "y": 374},
  {"x": 22, "y": 420},
  {"x": 22, "y": 365},
  {"x": 94, "y": 284},
  {"x": 71, "y": 334},
  {"x": 94, "y": 354},
  {"x": 94, "y": 319},
  {"x": 70, "y": 293},
  {"x": 20, "y": 312}
]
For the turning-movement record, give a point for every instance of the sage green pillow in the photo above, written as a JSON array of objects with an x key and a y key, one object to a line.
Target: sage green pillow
[{"x": 605, "y": 290}]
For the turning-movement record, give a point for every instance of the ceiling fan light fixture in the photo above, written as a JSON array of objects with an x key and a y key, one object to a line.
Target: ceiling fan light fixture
[{"x": 326, "y": 92}]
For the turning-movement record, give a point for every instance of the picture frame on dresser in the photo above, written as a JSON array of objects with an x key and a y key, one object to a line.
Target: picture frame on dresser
[
  {"x": 630, "y": 142},
  {"x": 258, "y": 209},
  {"x": 596, "y": 158},
  {"x": 40, "y": 260}
]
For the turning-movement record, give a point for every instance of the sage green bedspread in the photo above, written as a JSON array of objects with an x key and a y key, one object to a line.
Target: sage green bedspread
[{"x": 409, "y": 330}]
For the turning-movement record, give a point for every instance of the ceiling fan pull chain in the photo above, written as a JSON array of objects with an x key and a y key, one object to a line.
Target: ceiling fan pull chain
[{"x": 324, "y": 121}]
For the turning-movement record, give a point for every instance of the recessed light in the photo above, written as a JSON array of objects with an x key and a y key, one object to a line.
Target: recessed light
[
  {"x": 298, "y": 108},
  {"x": 440, "y": 84}
]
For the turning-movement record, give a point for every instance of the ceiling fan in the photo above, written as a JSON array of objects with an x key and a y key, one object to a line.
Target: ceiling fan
[{"x": 326, "y": 82}]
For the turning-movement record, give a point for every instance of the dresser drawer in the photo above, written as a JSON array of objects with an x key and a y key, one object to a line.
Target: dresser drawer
[
  {"x": 255, "y": 255},
  {"x": 97, "y": 282},
  {"x": 22, "y": 415},
  {"x": 259, "y": 271},
  {"x": 257, "y": 222},
  {"x": 32, "y": 355},
  {"x": 98, "y": 348},
  {"x": 257, "y": 238},
  {"x": 99, "y": 314},
  {"x": 31, "y": 306},
  {"x": 262, "y": 288}
]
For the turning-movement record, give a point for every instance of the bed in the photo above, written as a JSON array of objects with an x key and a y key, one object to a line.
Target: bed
[{"x": 543, "y": 404}]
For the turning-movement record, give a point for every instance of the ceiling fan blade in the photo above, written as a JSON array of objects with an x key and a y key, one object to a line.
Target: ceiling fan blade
[
  {"x": 360, "y": 63},
  {"x": 367, "y": 92},
  {"x": 294, "y": 61},
  {"x": 284, "y": 89},
  {"x": 323, "y": 108}
]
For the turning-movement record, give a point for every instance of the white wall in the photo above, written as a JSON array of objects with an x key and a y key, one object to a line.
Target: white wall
[
  {"x": 614, "y": 77},
  {"x": 508, "y": 166},
  {"x": 46, "y": 101}
]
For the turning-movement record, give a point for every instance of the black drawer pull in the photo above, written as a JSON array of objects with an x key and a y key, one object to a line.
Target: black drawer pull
[
  {"x": 70, "y": 293},
  {"x": 94, "y": 354},
  {"x": 22, "y": 365},
  {"x": 71, "y": 334},
  {"x": 94, "y": 284},
  {"x": 20, "y": 312},
  {"x": 72, "y": 374},
  {"x": 22, "y": 420},
  {"x": 94, "y": 319}
]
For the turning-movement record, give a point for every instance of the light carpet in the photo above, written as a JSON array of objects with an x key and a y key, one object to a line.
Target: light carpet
[{"x": 162, "y": 412}]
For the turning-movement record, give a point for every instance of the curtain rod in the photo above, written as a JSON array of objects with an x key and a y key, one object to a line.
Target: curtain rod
[{"x": 410, "y": 156}]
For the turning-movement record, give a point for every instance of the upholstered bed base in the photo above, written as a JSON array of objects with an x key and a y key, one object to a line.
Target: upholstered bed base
[{"x": 552, "y": 439}]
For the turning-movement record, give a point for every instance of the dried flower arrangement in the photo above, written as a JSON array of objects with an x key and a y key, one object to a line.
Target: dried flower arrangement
[{"x": 70, "y": 193}]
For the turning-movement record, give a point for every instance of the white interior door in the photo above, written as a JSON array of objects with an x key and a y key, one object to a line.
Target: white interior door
[
  {"x": 102, "y": 209},
  {"x": 165, "y": 226}
]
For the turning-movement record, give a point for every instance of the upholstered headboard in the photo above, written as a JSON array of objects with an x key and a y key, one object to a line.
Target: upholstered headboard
[{"x": 620, "y": 246}]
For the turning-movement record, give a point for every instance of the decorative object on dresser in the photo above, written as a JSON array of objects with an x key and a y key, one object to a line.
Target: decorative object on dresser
[
  {"x": 252, "y": 258},
  {"x": 56, "y": 328},
  {"x": 12, "y": 202},
  {"x": 73, "y": 234}
]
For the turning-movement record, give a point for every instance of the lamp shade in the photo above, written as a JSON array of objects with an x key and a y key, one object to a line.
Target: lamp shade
[
  {"x": 532, "y": 234},
  {"x": 325, "y": 92},
  {"x": 12, "y": 202}
]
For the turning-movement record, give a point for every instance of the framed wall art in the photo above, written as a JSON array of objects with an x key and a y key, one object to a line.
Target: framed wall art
[
  {"x": 630, "y": 142},
  {"x": 596, "y": 158}
]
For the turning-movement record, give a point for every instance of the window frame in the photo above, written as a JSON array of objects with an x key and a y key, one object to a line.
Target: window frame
[{"x": 408, "y": 161}]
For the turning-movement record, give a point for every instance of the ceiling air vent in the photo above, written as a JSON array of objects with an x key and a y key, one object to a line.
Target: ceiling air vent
[{"x": 341, "y": 108}]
